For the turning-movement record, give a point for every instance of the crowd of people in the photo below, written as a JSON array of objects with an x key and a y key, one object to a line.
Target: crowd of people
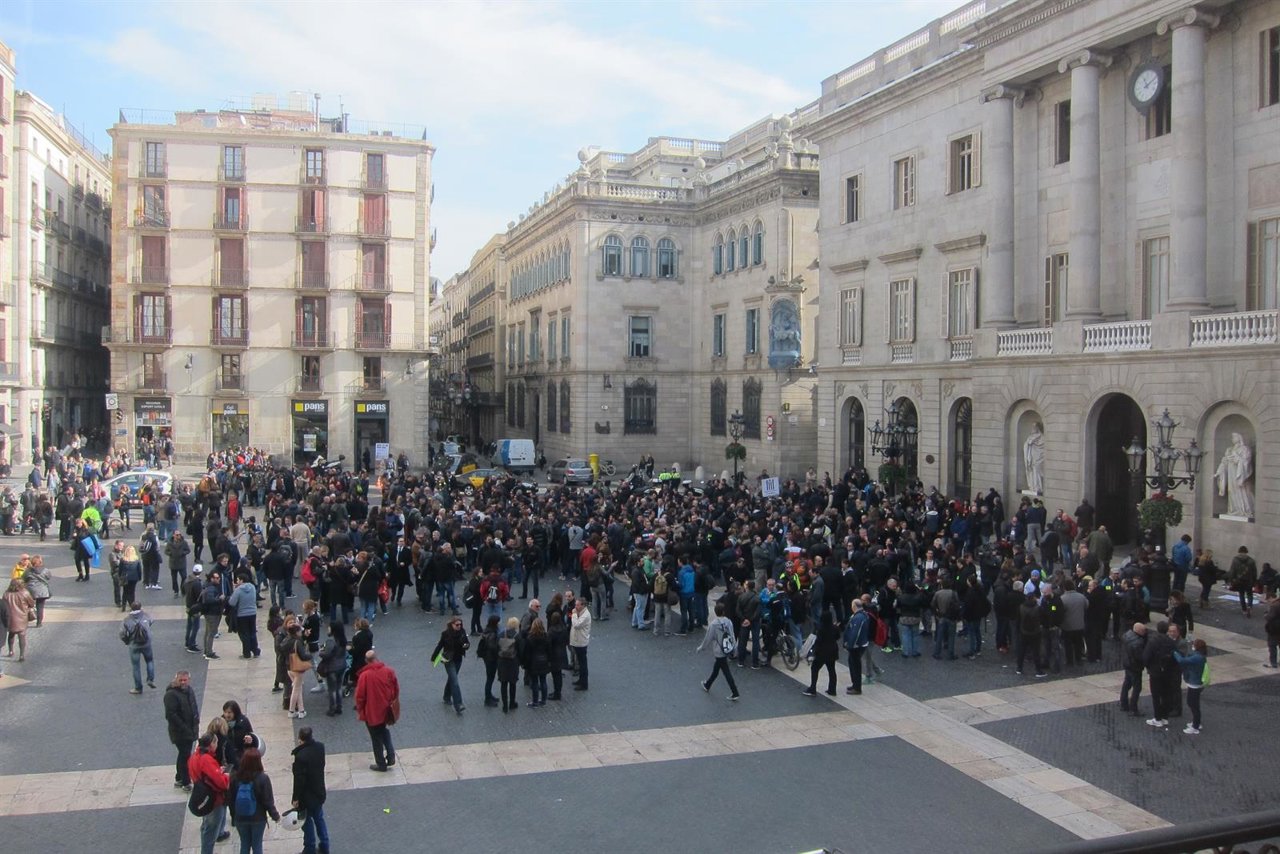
[{"x": 830, "y": 564}]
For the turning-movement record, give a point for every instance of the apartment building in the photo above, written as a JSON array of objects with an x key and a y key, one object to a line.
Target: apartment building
[
  {"x": 270, "y": 282},
  {"x": 1043, "y": 225},
  {"x": 53, "y": 279}
]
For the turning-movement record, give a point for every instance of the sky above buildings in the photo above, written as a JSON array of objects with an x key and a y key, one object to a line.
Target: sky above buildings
[{"x": 508, "y": 92}]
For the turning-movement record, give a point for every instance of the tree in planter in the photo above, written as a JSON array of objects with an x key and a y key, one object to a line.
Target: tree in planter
[
  {"x": 891, "y": 474},
  {"x": 1158, "y": 514},
  {"x": 737, "y": 452}
]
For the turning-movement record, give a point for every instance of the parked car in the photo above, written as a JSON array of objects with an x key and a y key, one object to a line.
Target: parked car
[
  {"x": 136, "y": 480},
  {"x": 570, "y": 471}
]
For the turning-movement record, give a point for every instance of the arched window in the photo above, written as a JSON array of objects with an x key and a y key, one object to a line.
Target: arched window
[
  {"x": 751, "y": 408},
  {"x": 757, "y": 245},
  {"x": 962, "y": 449},
  {"x": 640, "y": 407},
  {"x": 743, "y": 238},
  {"x": 566, "y": 421},
  {"x": 612, "y": 260},
  {"x": 551, "y": 406},
  {"x": 857, "y": 439},
  {"x": 520, "y": 394},
  {"x": 719, "y": 406},
  {"x": 730, "y": 251},
  {"x": 667, "y": 258},
  {"x": 640, "y": 257},
  {"x": 717, "y": 256}
]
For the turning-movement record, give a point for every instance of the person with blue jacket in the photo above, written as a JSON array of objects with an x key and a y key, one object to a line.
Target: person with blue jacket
[
  {"x": 1182, "y": 560},
  {"x": 1195, "y": 667},
  {"x": 686, "y": 579},
  {"x": 857, "y": 637}
]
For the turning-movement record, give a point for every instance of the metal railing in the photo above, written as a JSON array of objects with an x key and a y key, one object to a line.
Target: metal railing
[
  {"x": 229, "y": 337},
  {"x": 150, "y": 274},
  {"x": 150, "y": 219},
  {"x": 312, "y": 340},
  {"x": 37, "y": 216},
  {"x": 312, "y": 280},
  {"x": 312, "y": 225},
  {"x": 312, "y": 178},
  {"x": 230, "y": 222},
  {"x": 137, "y": 334},
  {"x": 372, "y": 281},
  {"x": 372, "y": 226},
  {"x": 153, "y": 170},
  {"x": 231, "y": 277},
  {"x": 308, "y": 385},
  {"x": 1221, "y": 833},
  {"x": 231, "y": 174},
  {"x": 372, "y": 340}
]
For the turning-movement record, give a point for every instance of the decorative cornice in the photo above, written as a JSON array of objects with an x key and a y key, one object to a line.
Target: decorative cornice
[
  {"x": 1089, "y": 56},
  {"x": 901, "y": 257},
  {"x": 850, "y": 266},
  {"x": 1193, "y": 17},
  {"x": 960, "y": 244},
  {"x": 1006, "y": 91}
]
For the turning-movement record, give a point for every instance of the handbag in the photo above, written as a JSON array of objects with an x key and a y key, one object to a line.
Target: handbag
[
  {"x": 393, "y": 713},
  {"x": 298, "y": 664},
  {"x": 673, "y": 598},
  {"x": 384, "y": 591}
]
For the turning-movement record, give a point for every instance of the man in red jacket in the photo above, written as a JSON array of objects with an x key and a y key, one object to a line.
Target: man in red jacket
[
  {"x": 376, "y": 691},
  {"x": 203, "y": 767}
]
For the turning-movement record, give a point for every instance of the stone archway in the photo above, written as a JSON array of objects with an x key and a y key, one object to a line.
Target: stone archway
[
  {"x": 961, "y": 473},
  {"x": 855, "y": 425},
  {"x": 1117, "y": 420}
]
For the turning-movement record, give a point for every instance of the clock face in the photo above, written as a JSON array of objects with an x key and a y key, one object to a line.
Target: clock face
[{"x": 1146, "y": 85}]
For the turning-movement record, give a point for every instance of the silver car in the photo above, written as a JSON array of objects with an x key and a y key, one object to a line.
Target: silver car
[{"x": 570, "y": 471}]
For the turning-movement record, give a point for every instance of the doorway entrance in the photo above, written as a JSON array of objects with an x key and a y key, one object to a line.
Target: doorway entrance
[{"x": 1119, "y": 420}]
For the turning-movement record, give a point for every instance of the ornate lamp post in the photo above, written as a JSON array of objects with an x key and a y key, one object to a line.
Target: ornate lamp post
[
  {"x": 1162, "y": 480},
  {"x": 893, "y": 440},
  {"x": 736, "y": 429}
]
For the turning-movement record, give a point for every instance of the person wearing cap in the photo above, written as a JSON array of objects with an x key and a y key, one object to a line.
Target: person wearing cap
[{"x": 192, "y": 588}]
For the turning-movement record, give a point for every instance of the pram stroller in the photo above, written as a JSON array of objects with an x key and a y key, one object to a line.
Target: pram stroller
[{"x": 348, "y": 680}]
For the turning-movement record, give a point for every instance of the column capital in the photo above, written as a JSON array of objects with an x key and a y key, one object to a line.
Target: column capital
[
  {"x": 1091, "y": 56},
  {"x": 1008, "y": 91},
  {"x": 1191, "y": 17}
]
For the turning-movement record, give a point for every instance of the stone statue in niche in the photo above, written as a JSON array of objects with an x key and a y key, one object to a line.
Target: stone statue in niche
[
  {"x": 784, "y": 335},
  {"x": 1235, "y": 470},
  {"x": 1033, "y": 459}
]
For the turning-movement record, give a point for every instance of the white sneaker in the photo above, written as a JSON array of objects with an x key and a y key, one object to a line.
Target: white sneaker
[
  {"x": 317, "y": 689},
  {"x": 1153, "y": 722},
  {"x": 301, "y": 714},
  {"x": 1191, "y": 730}
]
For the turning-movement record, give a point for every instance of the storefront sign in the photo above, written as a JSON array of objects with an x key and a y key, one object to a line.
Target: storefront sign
[
  {"x": 374, "y": 408},
  {"x": 152, "y": 411},
  {"x": 311, "y": 407},
  {"x": 228, "y": 409},
  {"x": 151, "y": 404}
]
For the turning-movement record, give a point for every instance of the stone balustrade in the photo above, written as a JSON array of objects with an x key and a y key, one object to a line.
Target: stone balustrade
[
  {"x": 1119, "y": 337},
  {"x": 1025, "y": 342},
  {"x": 1239, "y": 329}
]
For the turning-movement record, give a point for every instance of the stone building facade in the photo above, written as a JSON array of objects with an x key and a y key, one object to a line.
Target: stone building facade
[
  {"x": 270, "y": 283},
  {"x": 654, "y": 293},
  {"x": 1062, "y": 213}
]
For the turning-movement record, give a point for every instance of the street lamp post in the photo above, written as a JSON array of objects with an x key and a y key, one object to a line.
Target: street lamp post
[
  {"x": 1163, "y": 480},
  {"x": 893, "y": 440},
  {"x": 736, "y": 425}
]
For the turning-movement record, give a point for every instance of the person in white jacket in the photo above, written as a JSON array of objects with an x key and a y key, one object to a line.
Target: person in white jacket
[
  {"x": 579, "y": 637},
  {"x": 720, "y": 636}
]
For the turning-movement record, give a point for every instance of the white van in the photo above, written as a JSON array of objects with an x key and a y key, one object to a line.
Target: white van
[{"x": 515, "y": 455}]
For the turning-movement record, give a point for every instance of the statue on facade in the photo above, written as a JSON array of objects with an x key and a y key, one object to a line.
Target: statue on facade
[
  {"x": 1033, "y": 459},
  {"x": 1235, "y": 470},
  {"x": 784, "y": 334}
]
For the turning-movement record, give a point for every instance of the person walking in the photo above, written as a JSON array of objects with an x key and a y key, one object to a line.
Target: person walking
[
  {"x": 826, "y": 651},
  {"x": 309, "y": 792},
  {"x": 130, "y": 574},
  {"x": 298, "y": 663},
  {"x": 83, "y": 547},
  {"x": 579, "y": 638},
  {"x": 203, "y": 767},
  {"x": 450, "y": 650},
  {"x": 252, "y": 801},
  {"x": 37, "y": 580},
  {"x": 1242, "y": 576},
  {"x": 135, "y": 633},
  {"x": 1195, "y": 672},
  {"x": 177, "y": 550},
  {"x": 720, "y": 635},
  {"x": 377, "y": 700},
  {"x": 182, "y": 713}
]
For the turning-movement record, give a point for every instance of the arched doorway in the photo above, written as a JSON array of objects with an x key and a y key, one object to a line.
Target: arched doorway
[
  {"x": 909, "y": 418},
  {"x": 856, "y": 425},
  {"x": 962, "y": 449},
  {"x": 1118, "y": 421}
]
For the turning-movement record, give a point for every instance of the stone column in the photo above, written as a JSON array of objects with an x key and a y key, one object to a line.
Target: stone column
[
  {"x": 1084, "y": 283},
  {"x": 1188, "y": 230},
  {"x": 997, "y": 291}
]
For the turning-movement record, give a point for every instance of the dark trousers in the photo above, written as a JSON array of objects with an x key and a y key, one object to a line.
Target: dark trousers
[
  {"x": 127, "y": 594},
  {"x": 83, "y": 564},
  {"x": 180, "y": 766},
  {"x": 1159, "y": 694},
  {"x": 721, "y": 666},
  {"x": 475, "y": 617},
  {"x": 193, "y": 630},
  {"x": 1031, "y": 644},
  {"x": 580, "y": 655},
  {"x": 855, "y": 666},
  {"x": 384, "y": 753},
  {"x": 1130, "y": 690},
  {"x": 557, "y": 681},
  {"x": 1074, "y": 643},
  {"x": 1093, "y": 641},
  {"x": 490, "y": 674},
  {"x": 247, "y": 629},
  {"x": 1193, "y": 703},
  {"x": 816, "y": 668}
]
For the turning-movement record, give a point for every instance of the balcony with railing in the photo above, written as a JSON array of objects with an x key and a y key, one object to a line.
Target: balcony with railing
[
  {"x": 229, "y": 336},
  {"x": 230, "y": 277},
  {"x": 93, "y": 200},
  {"x": 231, "y": 173},
  {"x": 372, "y": 340},
  {"x": 1122, "y": 337},
  {"x": 367, "y": 384},
  {"x": 960, "y": 349},
  {"x": 154, "y": 381},
  {"x": 1238, "y": 329},
  {"x": 373, "y": 227},
  {"x": 370, "y": 280},
  {"x": 65, "y": 334},
  {"x": 9, "y": 372},
  {"x": 1025, "y": 342},
  {"x": 42, "y": 331},
  {"x": 373, "y": 181},
  {"x": 150, "y": 218},
  {"x": 902, "y": 354},
  {"x": 151, "y": 274},
  {"x": 312, "y": 340},
  {"x": 228, "y": 382},
  {"x": 60, "y": 226},
  {"x": 79, "y": 236},
  {"x": 139, "y": 334},
  {"x": 312, "y": 280},
  {"x": 153, "y": 168},
  {"x": 312, "y": 224},
  {"x": 37, "y": 216},
  {"x": 307, "y": 385},
  {"x": 228, "y": 221}
]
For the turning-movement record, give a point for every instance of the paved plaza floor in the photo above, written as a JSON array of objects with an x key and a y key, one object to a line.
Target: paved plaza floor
[{"x": 960, "y": 754}]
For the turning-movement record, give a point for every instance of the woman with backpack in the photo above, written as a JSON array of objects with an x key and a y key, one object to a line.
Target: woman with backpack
[
  {"x": 299, "y": 662},
  {"x": 333, "y": 663},
  {"x": 509, "y": 644},
  {"x": 1195, "y": 672},
  {"x": 252, "y": 800},
  {"x": 720, "y": 635}
]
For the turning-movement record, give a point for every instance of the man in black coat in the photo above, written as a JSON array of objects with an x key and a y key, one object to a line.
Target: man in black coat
[
  {"x": 182, "y": 713},
  {"x": 1161, "y": 669},
  {"x": 309, "y": 792}
]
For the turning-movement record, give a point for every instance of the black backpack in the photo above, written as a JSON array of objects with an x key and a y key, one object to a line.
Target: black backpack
[{"x": 202, "y": 798}]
